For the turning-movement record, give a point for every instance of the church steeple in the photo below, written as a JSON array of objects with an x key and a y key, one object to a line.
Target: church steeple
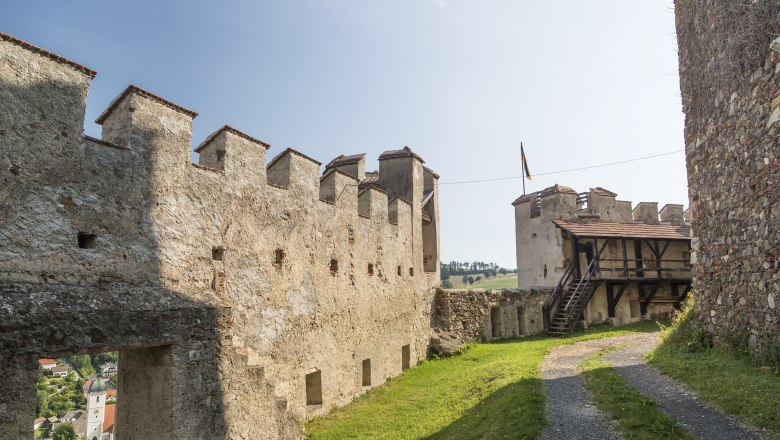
[{"x": 96, "y": 410}]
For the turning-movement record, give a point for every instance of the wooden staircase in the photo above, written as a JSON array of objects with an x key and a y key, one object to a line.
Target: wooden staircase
[
  {"x": 575, "y": 297},
  {"x": 565, "y": 305}
]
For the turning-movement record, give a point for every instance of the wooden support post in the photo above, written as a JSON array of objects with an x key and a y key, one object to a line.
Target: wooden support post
[
  {"x": 576, "y": 246},
  {"x": 625, "y": 258},
  {"x": 644, "y": 300},
  {"x": 638, "y": 258}
]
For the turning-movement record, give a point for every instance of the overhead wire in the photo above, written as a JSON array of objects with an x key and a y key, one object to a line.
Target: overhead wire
[{"x": 564, "y": 171}]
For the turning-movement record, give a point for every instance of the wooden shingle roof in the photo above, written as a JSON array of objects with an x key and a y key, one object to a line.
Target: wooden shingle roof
[{"x": 626, "y": 230}]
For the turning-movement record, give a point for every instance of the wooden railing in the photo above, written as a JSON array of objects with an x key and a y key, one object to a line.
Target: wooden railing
[
  {"x": 581, "y": 294},
  {"x": 643, "y": 268},
  {"x": 550, "y": 306}
]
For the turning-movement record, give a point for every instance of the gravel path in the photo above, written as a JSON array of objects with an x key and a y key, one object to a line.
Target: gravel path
[
  {"x": 571, "y": 413},
  {"x": 700, "y": 419}
]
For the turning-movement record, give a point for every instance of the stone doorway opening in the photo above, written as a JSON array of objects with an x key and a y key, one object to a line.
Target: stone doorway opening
[{"x": 83, "y": 392}]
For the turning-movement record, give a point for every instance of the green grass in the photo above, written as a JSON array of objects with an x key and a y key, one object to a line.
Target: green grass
[
  {"x": 496, "y": 283},
  {"x": 492, "y": 391},
  {"x": 636, "y": 416},
  {"x": 729, "y": 380}
]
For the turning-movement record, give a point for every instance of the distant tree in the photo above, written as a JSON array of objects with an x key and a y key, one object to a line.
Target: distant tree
[
  {"x": 83, "y": 364},
  {"x": 502, "y": 271},
  {"x": 445, "y": 272},
  {"x": 486, "y": 274},
  {"x": 42, "y": 403},
  {"x": 470, "y": 279},
  {"x": 65, "y": 432},
  {"x": 478, "y": 278},
  {"x": 465, "y": 279},
  {"x": 446, "y": 284}
]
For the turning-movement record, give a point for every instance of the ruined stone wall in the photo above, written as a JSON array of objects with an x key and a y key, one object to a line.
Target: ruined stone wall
[
  {"x": 731, "y": 97},
  {"x": 482, "y": 315},
  {"x": 85, "y": 215}
]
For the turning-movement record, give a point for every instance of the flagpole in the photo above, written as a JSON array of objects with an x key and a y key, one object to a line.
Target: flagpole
[{"x": 524, "y": 172}]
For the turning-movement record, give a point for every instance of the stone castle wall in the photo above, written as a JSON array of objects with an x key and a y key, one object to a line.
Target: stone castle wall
[
  {"x": 482, "y": 315},
  {"x": 730, "y": 81},
  {"x": 296, "y": 272}
]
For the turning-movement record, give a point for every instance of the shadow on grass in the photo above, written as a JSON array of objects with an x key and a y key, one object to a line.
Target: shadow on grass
[{"x": 514, "y": 411}]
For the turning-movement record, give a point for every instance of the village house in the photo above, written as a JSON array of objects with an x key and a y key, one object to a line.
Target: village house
[
  {"x": 60, "y": 370},
  {"x": 47, "y": 364},
  {"x": 601, "y": 260}
]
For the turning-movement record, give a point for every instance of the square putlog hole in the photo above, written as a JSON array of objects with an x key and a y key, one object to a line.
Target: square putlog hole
[{"x": 87, "y": 241}]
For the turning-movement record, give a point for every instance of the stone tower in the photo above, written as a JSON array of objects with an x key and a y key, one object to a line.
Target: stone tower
[{"x": 96, "y": 410}]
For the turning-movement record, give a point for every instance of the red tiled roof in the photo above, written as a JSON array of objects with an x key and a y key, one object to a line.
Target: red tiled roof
[
  {"x": 47, "y": 361},
  {"x": 135, "y": 89},
  {"x": 108, "y": 421},
  {"x": 625, "y": 230},
  {"x": 46, "y": 53},
  {"x": 238, "y": 133},
  {"x": 602, "y": 192}
]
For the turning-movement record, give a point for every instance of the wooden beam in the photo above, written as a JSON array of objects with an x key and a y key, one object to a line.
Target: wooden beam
[
  {"x": 625, "y": 258},
  {"x": 645, "y": 300},
  {"x": 612, "y": 299},
  {"x": 638, "y": 258}
]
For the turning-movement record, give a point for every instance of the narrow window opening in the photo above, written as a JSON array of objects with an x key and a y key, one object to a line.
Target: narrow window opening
[
  {"x": 370, "y": 269},
  {"x": 411, "y": 271},
  {"x": 279, "y": 257},
  {"x": 314, "y": 388},
  {"x": 495, "y": 321},
  {"x": 366, "y": 372},
  {"x": 220, "y": 155},
  {"x": 405, "y": 357},
  {"x": 334, "y": 266},
  {"x": 217, "y": 253},
  {"x": 87, "y": 241},
  {"x": 399, "y": 271},
  {"x": 521, "y": 322}
]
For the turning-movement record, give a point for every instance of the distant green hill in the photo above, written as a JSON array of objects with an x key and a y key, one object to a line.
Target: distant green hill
[{"x": 509, "y": 282}]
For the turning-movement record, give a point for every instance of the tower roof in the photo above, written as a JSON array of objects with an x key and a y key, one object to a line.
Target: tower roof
[{"x": 98, "y": 386}]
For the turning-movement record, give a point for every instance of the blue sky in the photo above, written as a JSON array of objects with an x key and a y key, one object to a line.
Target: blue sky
[{"x": 461, "y": 82}]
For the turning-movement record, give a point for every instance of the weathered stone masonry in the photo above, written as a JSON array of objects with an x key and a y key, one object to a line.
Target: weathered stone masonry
[
  {"x": 480, "y": 315},
  {"x": 243, "y": 297},
  {"x": 730, "y": 81}
]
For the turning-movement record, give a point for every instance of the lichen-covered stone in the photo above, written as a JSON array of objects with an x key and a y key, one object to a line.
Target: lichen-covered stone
[{"x": 729, "y": 79}]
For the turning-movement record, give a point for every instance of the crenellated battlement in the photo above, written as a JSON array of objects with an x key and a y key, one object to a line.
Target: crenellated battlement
[
  {"x": 598, "y": 204},
  {"x": 159, "y": 134},
  {"x": 306, "y": 263}
]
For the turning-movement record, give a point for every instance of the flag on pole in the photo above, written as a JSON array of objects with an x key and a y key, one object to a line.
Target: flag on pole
[{"x": 526, "y": 171}]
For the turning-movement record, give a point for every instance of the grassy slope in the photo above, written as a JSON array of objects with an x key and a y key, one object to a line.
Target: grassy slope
[
  {"x": 492, "y": 391},
  {"x": 728, "y": 380},
  {"x": 637, "y": 417},
  {"x": 496, "y": 283}
]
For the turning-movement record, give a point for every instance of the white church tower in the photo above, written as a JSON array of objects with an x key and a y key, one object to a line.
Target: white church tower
[{"x": 96, "y": 410}]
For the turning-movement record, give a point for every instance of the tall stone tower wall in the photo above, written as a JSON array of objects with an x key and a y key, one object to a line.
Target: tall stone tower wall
[
  {"x": 730, "y": 81},
  {"x": 244, "y": 295}
]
